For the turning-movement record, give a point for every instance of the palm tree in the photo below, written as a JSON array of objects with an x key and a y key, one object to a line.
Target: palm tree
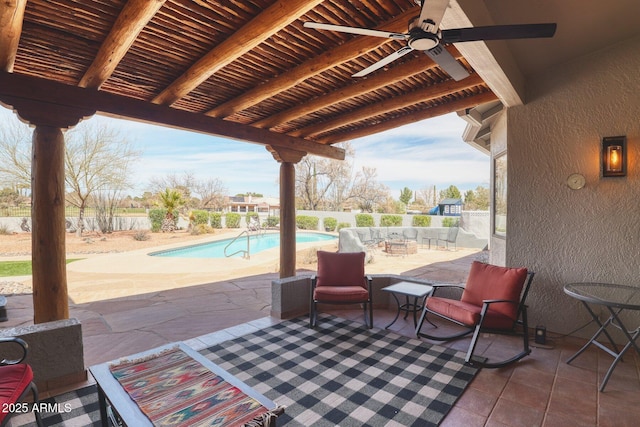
[{"x": 171, "y": 200}]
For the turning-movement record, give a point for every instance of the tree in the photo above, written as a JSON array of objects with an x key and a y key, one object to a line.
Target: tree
[
  {"x": 324, "y": 183},
  {"x": 97, "y": 158},
  {"x": 477, "y": 200},
  {"x": 405, "y": 195},
  {"x": 15, "y": 155},
  {"x": 195, "y": 193},
  {"x": 451, "y": 192},
  {"x": 367, "y": 191},
  {"x": 427, "y": 196},
  {"x": 171, "y": 200}
]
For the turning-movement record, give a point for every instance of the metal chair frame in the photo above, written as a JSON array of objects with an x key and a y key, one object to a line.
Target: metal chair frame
[
  {"x": 31, "y": 388},
  {"x": 477, "y": 329},
  {"x": 313, "y": 309}
]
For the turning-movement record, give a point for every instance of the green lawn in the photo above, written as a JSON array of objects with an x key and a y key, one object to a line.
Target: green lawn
[{"x": 19, "y": 268}]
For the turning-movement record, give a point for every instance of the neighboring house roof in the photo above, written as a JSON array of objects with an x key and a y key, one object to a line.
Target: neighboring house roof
[{"x": 451, "y": 202}]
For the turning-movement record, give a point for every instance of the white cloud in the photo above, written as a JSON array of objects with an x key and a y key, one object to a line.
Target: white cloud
[{"x": 422, "y": 154}]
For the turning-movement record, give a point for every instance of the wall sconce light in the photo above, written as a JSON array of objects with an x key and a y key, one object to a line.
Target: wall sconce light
[{"x": 614, "y": 156}]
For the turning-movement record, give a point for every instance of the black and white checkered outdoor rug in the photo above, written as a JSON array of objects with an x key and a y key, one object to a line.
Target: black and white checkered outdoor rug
[{"x": 342, "y": 374}]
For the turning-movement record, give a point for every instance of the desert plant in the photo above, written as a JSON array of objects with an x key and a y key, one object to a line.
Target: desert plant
[
  {"x": 329, "y": 223},
  {"x": 141, "y": 235},
  {"x": 232, "y": 220},
  {"x": 343, "y": 225},
  {"x": 421, "y": 221},
  {"x": 171, "y": 200},
  {"x": 364, "y": 220},
  {"x": 252, "y": 215},
  {"x": 307, "y": 222},
  {"x": 390, "y": 221},
  {"x": 4, "y": 230},
  {"x": 201, "y": 229}
]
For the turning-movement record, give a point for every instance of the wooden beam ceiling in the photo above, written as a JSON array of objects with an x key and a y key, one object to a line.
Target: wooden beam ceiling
[
  {"x": 263, "y": 26},
  {"x": 17, "y": 90},
  {"x": 11, "y": 17},
  {"x": 135, "y": 15},
  {"x": 314, "y": 66},
  {"x": 422, "y": 95},
  {"x": 451, "y": 107},
  {"x": 360, "y": 87}
]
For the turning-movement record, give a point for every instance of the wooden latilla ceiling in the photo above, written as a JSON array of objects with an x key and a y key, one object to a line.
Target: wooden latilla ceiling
[{"x": 241, "y": 69}]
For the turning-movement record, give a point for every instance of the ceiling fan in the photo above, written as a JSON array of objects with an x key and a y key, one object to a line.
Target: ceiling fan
[{"x": 424, "y": 34}]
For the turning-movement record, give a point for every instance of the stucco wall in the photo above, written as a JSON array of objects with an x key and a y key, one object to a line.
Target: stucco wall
[{"x": 565, "y": 235}]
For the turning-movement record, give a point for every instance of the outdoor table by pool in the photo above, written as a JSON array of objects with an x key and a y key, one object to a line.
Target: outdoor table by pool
[
  {"x": 616, "y": 298},
  {"x": 416, "y": 290}
]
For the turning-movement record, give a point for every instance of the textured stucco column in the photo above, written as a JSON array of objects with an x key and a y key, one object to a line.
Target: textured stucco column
[{"x": 287, "y": 158}]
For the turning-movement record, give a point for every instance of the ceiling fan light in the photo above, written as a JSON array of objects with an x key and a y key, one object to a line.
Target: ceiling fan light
[{"x": 424, "y": 42}]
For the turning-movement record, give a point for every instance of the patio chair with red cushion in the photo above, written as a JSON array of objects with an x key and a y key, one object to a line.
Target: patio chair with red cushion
[
  {"x": 340, "y": 279},
  {"x": 16, "y": 382},
  {"x": 493, "y": 300}
]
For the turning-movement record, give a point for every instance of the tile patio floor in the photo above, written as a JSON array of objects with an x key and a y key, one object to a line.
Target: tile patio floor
[{"x": 541, "y": 390}]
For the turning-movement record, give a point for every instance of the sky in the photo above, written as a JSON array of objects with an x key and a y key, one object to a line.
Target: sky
[{"x": 417, "y": 156}]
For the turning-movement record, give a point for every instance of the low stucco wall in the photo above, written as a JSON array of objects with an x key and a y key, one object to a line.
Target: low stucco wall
[
  {"x": 55, "y": 353},
  {"x": 350, "y": 239},
  {"x": 291, "y": 297}
]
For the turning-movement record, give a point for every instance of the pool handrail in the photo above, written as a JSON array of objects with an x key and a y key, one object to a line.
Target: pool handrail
[{"x": 246, "y": 253}]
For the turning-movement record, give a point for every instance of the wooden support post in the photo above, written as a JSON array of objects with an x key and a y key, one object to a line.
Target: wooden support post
[
  {"x": 287, "y": 158},
  {"x": 50, "y": 299},
  {"x": 48, "y": 251}
]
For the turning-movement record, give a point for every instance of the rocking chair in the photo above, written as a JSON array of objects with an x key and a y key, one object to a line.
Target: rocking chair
[{"x": 493, "y": 300}]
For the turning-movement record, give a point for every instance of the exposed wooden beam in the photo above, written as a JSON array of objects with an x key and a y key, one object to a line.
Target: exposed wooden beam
[
  {"x": 134, "y": 17},
  {"x": 343, "y": 53},
  {"x": 17, "y": 89},
  {"x": 263, "y": 26},
  {"x": 460, "y": 104},
  {"x": 431, "y": 92},
  {"x": 11, "y": 17},
  {"x": 360, "y": 87}
]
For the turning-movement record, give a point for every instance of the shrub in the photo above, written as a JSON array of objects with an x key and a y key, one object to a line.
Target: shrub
[
  {"x": 343, "y": 225},
  {"x": 329, "y": 223},
  {"x": 252, "y": 215},
  {"x": 306, "y": 222},
  {"x": 141, "y": 235},
  {"x": 450, "y": 222},
  {"x": 232, "y": 220},
  {"x": 156, "y": 216},
  {"x": 216, "y": 219},
  {"x": 421, "y": 221},
  {"x": 272, "y": 221},
  {"x": 364, "y": 220},
  {"x": 390, "y": 221},
  {"x": 201, "y": 229},
  {"x": 199, "y": 217},
  {"x": 4, "y": 230}
]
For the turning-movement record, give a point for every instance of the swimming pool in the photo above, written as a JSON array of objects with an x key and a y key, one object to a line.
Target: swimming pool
[{"x": 257, "y": 243}]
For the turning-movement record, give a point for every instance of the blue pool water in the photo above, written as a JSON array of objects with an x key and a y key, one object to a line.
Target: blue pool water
[{"x": 257, "y": 243}]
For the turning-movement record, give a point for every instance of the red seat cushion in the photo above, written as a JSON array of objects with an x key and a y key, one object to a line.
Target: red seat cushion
[
  {"x": 341, "y": 269},
  {"x": 340, "y": 294},
  {"x": 14, "y": 379},
  {"x": 469, "y": 314},
  {"x": 487, "y": 282}
]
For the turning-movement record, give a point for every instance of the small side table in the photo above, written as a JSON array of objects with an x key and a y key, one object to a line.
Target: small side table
[{"x": 409, "y": 289}]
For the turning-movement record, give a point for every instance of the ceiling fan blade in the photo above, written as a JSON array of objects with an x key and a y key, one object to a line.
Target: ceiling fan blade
[
  {"x": 447, "y": 62},
  {"x": 355, "y": 30},
  {"x": 433, "y": 10},
  {"x": 498, "y": 32},
  {"x": 384, "y": 61}
]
